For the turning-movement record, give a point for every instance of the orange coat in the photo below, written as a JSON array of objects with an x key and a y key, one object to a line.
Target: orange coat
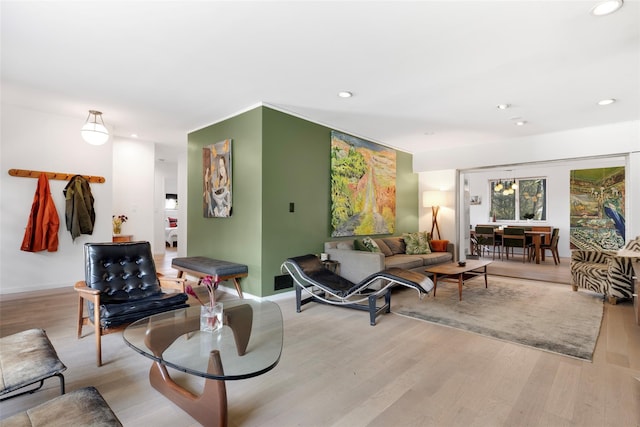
[{"x": 42, "y": 229}]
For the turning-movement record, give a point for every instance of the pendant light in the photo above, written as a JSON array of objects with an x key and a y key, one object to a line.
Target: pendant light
[{"x": 94, "y": 132}]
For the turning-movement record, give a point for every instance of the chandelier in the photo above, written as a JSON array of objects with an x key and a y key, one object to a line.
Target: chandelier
[{"x": 507, "y": 188}]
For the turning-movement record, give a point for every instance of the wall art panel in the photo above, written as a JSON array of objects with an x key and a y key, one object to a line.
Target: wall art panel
[
  {"x": 597, "y": 208},
  {"x": 216, "y": 179},
  {"x": 363, "y": 187}
]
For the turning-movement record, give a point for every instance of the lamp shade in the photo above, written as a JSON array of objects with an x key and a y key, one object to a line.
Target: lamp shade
[
  {"x": 433, "y": 198},
  {"x": 94, "y": 132}
]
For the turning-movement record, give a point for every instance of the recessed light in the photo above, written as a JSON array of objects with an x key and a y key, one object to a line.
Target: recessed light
[
  {"x": 606, "y": 7},
  {"x": 607, "y": 101},
  {"x": 345, "y": 94},
  {"x": 134, "y": 135},
  {"x": 521, "y": 123},
  {"x": 503, "y": 106}
]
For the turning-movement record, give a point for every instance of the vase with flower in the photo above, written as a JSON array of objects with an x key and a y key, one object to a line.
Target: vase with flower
[
  {"x": 117, "y": 221},
  {"x": 211, "y": 312}
]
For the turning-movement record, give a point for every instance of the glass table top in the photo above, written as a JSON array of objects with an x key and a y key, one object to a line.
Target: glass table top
[{"x": 174, "y": 339}]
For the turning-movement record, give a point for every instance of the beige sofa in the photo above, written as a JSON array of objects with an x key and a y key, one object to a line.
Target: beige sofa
[{"x": 356, "y": 265}]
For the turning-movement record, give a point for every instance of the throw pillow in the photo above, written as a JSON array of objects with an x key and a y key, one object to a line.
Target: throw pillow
[
  {"x": 383, "y": 247},
  {"x": 345, "y": 245},
  {"x": 396, "y": 244},
  {"x": 417, "y": 243},
  {"x": 366, "y": 244},
  {"x": 439, "y": 245}
]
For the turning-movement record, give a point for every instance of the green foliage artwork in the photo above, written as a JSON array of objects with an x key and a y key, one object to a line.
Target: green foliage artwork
[
  {"x": 597, "y": 208},
  {"x": 363, "y": 187}
]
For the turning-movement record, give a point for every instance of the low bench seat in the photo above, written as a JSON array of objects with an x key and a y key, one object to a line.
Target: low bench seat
[
  {"x": 200, "y": 266},
  {"x": 83, "y": 407},
  {"x": 26, "y": 358}
]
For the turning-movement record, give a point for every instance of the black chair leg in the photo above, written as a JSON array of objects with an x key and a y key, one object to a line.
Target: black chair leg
[{"x": 298, "y": 299}]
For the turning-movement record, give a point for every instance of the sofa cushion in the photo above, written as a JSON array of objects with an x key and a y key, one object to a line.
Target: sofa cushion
[
  {"x": 383, "y": 247},
  {"x": 366, "y": 244},
  {"x": 436, "y": 258},
  {"x": 395, "y": 244},
  {"x": 439, "y": 245},
  {"x": 417, "y": 243},
  {"x": 404, "y": 261}
]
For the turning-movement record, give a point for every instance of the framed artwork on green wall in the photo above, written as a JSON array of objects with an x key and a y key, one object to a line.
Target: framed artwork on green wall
[
  {"x": 597, "y": 208},
  {"x": 216, "y": 180},
  {"x": 363, "y": 187}
]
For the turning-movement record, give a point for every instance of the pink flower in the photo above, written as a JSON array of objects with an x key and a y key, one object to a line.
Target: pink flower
[
  {"x": 211, "y": 289},
  {"x": 189, "y": 290}
]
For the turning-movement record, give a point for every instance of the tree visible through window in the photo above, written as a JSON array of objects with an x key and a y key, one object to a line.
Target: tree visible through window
[{"x": 519, "y": 199}]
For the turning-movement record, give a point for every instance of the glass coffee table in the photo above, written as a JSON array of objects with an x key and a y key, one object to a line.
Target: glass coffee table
[{"x": 249, "y": 344}]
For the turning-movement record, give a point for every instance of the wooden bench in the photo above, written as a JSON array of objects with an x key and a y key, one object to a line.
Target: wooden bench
[{"x": 199, "y": 266}]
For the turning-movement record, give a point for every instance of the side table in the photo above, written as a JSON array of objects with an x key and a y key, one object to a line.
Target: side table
[
  {"x": 122, "y": 238},
  {"x": 331, "y": 265}
]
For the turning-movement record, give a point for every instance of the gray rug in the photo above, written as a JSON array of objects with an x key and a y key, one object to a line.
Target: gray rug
[{"x": 547, "y": 316}]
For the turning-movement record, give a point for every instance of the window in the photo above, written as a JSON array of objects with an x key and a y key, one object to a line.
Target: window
[
  {"x": 519, "y": 199},
  {"x": 171, "y": 201}
]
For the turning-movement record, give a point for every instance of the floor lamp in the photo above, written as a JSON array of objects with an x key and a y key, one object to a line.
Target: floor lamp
[{"x": 433, "y": 199}]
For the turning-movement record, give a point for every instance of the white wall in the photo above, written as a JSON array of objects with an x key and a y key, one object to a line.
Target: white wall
[
  {"x": 134, "y": 187},
  {"x": 619, "y": 138},
  {"x": 49, "y": 142},
  {"x": 41, "y": 141}
]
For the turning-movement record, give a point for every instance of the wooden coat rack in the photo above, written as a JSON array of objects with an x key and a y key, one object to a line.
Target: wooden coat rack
[{"x": 25, "y": 173}]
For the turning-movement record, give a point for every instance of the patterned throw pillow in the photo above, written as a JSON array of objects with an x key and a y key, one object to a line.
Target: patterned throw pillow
[
  {"x": 417, "y": 243},
  {"x": 366, "y": 244}
]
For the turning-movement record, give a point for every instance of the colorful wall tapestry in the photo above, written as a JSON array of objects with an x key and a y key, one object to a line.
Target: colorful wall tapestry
[
  {"x": 363, "y": 187},
  {"x": 597, "y": 209},
  {"x": 216, "y": 179}
]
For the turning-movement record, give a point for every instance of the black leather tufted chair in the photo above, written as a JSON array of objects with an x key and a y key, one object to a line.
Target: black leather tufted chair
[{"x": 121, "y": 280}]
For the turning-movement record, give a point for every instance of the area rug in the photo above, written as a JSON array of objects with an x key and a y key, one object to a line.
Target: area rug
[{"x": 546, "y": 316}]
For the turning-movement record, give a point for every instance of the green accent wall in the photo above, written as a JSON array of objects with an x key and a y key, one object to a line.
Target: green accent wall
[{"x": 277, "y": 159}]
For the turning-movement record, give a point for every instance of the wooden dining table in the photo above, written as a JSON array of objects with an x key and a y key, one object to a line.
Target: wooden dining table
[{"x": 536, "y": 238}]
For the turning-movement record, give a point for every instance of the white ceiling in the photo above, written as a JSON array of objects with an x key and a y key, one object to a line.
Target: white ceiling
[{"x": 424, "y": 74}]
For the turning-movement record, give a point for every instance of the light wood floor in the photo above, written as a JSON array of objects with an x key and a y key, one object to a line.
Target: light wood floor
[{"x": 336, "y": 370}]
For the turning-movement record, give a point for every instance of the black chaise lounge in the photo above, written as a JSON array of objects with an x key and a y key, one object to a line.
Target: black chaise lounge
[{"x": 326, "y": 287}]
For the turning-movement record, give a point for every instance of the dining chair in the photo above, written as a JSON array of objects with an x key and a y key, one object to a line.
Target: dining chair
[
  {"x": 552, "y": 246},
  {"x": 486, "y": 238},
  {"x": 514, "y": 237}
]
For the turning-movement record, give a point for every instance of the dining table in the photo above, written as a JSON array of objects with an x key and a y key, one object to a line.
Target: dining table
[{"x": 538, "y": 237}]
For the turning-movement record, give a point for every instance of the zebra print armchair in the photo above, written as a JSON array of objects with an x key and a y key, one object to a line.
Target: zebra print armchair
[{"x": 603, "y": 272}]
